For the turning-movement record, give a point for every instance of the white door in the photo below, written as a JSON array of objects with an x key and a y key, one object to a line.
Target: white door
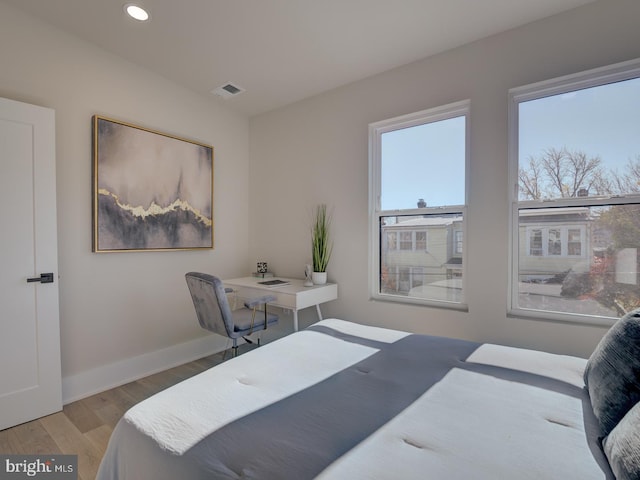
[{"x": 30, "y": 379}]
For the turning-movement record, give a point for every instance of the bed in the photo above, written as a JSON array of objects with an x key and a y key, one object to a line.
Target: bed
[{"x": 341, "y": 400}]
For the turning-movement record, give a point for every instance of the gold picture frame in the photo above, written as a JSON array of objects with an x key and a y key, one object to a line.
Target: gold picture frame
[{"x": 151, "y": 191}]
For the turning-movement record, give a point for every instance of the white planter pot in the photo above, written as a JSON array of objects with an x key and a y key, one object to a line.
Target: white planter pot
[{"x": 319, "y": 278}]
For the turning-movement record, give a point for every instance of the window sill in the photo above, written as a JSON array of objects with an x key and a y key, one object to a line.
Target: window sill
[
  {"x": 560, "y": 317},
  {"x": 404, "y": 300}
]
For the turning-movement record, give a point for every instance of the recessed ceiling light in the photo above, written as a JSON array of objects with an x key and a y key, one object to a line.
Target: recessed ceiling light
[{"x": 137, "y": 12}]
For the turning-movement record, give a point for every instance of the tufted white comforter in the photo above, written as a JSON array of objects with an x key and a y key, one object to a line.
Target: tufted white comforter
[{"x": 346, "y": 401}]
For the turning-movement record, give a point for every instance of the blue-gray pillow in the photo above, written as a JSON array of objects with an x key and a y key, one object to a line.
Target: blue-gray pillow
[
  {"x": 622, "y": 446},
  {"x": 612, "y": 374}
]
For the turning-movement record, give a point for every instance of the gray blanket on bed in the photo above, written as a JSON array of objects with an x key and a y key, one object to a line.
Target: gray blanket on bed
[{"x": 301, "y": 435}]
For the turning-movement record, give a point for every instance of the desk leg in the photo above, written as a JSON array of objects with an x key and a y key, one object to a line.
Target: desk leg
[{"x": 295, "y": 317}]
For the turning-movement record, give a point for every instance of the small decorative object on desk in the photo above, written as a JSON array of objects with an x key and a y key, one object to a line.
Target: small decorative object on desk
[
  {"x": 262, "y": 267},
  {"x": 308, "y": 270},
  {"x": 263, "y": 275}
]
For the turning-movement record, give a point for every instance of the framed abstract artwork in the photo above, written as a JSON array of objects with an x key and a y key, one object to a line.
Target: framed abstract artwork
[{"x": 151, "y": 191}]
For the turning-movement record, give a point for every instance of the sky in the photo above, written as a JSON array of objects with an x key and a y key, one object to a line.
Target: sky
[
  {"x": 601, "y": 121},
  {"x": 428, "y": 161}
]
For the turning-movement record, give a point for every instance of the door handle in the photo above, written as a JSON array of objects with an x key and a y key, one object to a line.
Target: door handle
[{"x": 43, "y": 278}]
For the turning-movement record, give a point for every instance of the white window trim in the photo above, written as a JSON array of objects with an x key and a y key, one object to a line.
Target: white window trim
[
  {"x": 414, "y": 240},
  {"x": 528, "y": 232},
  {"x": 591, "y": 78},
  {"x": 564, "y": 240},
  {"x": 456, "y": 250},
  {"x": 402, "y": 240},
  {"x": 426, "y": 242},
  {"x": 444, "y": 112}
]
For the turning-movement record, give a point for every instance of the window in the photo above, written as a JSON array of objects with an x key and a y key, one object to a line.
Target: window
[
  {"x": 554, "y": 242},
  {"x": 421, "y": 241},
  {"x": 406, "y": 240},
  {"x": 391, "y": 240},
  {"x": 418, "y": 192},
  {"x": 410, "y": 240},
  {"x": 458, "y": 240},
  {"x": 574, "y": 154},
  {"x": 575, "y": 242},
  {"x": 535, "y": 242}
]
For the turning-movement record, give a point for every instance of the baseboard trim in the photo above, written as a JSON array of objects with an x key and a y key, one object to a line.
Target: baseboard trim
[{"x": 85, "y": 384}]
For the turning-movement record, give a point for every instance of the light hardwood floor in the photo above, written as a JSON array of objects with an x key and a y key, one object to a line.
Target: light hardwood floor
[{"x": 83, "y": 428}]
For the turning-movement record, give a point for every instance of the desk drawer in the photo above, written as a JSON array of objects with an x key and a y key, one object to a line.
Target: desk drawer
[{"x": 317, "y": 295}]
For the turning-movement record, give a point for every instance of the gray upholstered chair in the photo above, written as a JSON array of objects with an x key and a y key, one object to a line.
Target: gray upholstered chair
[{"x": 214, "y": 314}]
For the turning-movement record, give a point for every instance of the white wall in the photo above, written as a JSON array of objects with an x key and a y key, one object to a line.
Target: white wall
[
  {"x": 123, "y": 314},
  {"x": 315, "y": 151}
]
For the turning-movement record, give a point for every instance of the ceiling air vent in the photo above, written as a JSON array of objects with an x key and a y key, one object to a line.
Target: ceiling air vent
[{"x": 228, "y": 90}]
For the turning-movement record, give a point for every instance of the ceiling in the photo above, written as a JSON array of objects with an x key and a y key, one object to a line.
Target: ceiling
[{"x": 281, "y": 51}]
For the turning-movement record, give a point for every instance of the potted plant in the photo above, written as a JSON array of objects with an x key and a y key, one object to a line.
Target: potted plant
[{"x": 321, "y": 246}]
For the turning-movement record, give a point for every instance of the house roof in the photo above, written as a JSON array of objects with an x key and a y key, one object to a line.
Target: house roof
[{"x": 427, "y": 221}]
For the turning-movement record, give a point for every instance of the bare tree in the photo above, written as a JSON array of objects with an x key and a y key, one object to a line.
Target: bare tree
[
  {"x": 529, "y": 180},
  {"x": 583, "y": 171},
  {"x": 560, "y": 173},
  {"x": 554, "y": 164},
  {"x": 629, "y": 181}
]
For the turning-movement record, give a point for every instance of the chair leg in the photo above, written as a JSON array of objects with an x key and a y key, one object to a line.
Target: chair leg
[{"x": 235, "y": 347}]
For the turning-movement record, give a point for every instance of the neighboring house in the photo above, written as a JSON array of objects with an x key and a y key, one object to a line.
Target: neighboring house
[
  {"x": 422, "y": 256},
  {"x": 553, "y": 241},
  {"x": 421, "y": 250},
  {"x": 558, "y": 240}
]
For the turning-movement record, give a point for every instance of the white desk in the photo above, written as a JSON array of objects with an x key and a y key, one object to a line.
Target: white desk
[{"x": 292, "y": 297}]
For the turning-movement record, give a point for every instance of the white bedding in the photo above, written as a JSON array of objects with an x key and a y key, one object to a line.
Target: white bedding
[
  {"x": 468, "y": 425},
  {"x": 179, "y": 417}
]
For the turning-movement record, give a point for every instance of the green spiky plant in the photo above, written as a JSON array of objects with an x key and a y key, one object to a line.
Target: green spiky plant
[{"x": 321, "y": 246}]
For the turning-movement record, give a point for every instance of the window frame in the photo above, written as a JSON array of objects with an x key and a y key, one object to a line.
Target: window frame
[
  {"x": 417, "y": 245},
  {"x": 458, "y": 241},
  {"x": 376, "y": 130},
  {"x": 405, "y": 241},
  {"x": 579, "y": 81},
  {"x": 564, "y": 240}
]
